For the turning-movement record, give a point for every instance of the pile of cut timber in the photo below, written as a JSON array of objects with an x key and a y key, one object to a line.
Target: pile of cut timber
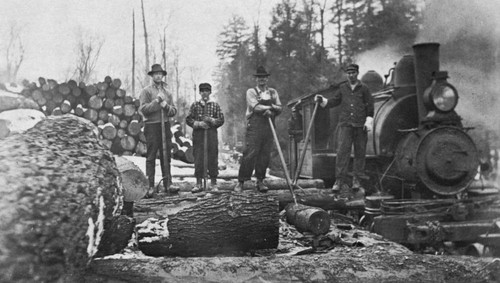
[
  {"x": 59, "y": 201},
  {"x": 108, "y": 106}
]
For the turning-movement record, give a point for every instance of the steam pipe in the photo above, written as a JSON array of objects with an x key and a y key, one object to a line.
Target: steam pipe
[{"x": 426, "y": 63}]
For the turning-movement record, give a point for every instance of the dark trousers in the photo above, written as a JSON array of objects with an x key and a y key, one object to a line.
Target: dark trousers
[
  {"x": 212, "y": 153},
  {"x": 259, "y": 143},
  {"x": 347, "y": 137},
  {"x": 154, "y": 144}
]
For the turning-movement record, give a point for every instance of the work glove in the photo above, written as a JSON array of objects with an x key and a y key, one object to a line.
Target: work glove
[
  {"x": 161, "y": 97},
  {"x": 322, "y": 100},
  {"x": 200, "y": 125},
  {"x": 163, "y": 104},
  {"x": 208, "y": 120},
  {"x": 368, "y": 124},
  {"x": 268, "y": 113},
  {"x": 275, "y": 108}
]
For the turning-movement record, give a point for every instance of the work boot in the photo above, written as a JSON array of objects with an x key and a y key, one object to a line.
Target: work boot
[
  {"x": 213, "y": 185},
  {"x": 261, "y": 187},
  {"x": 151, "y": 192},
  {"x": 238, "y": 187},
  {"x": 198, "y": 187},
  {"x": 358, "y": 193},
  {"x": 337, "y": 186},
  {"x": 345, "y": 193}
]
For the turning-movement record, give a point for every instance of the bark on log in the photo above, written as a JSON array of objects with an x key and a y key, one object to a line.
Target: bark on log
[
  {"x": 59, "y": 189},
  {"x": 134, "y": 182},
  {"x": 225, "y": 224},
  {"x": 308, "y": 219},
  {"x": 377, "y": 263},
  {"x": 321, "y": 198}
]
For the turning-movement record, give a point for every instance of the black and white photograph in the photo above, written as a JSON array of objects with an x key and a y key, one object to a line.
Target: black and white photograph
[{"x": 250, "y": 141}]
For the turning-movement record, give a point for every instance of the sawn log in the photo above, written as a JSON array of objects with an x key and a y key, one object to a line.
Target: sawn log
[{"x": 225, "y": 224}]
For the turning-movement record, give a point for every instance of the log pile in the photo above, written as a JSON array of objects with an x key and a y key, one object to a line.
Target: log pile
[
  {"x": 105, "y": 104},
  {"x": 59, "y": 201}
]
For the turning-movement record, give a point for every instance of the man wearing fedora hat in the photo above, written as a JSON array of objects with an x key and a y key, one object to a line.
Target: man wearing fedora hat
[
  {"x": 262, "y": 102},
  {"x": 155, "y": 98},
  {"x": 205, "y": 116},
  {"x": 355, "y": 120}
]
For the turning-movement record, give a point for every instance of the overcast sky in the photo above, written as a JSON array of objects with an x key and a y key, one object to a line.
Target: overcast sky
[{"x": 50, "y": 28}]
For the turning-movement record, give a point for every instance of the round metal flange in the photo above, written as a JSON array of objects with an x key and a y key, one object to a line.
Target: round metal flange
[{"x": 446, "y": 160}]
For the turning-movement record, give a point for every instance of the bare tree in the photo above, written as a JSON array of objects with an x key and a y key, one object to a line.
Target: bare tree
[
  {"x": 14, "y": 53},
  {"x": 133, "y": 51},
  {"x": 146, "y": 44},
  {"x": 89, "y": 48}
]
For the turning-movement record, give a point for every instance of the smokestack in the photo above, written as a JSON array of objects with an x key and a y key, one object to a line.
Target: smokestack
[{"x": 426, "y": 63}]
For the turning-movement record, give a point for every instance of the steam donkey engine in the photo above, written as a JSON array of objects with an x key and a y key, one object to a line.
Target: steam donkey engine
[{"x": 420, "y": 159}]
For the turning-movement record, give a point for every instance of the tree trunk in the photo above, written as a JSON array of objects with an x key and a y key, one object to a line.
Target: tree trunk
[
  {"x": 376, "y": 264},
  {"x": 58, "y": 198},
  {"x": 225, "y": 224}
]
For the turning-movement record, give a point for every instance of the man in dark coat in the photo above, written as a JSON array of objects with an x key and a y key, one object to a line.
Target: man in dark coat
[{"x": 355, "y": 120}]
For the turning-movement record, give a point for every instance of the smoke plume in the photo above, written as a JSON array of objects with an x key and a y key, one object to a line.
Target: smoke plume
[{"x": 469, "y": 33}]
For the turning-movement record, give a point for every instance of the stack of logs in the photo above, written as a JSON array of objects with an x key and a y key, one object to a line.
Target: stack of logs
[{"x": 105, "y": 104}]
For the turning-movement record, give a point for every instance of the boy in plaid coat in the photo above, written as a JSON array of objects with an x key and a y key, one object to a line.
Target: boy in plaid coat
[{"x": 205, "y": 115}]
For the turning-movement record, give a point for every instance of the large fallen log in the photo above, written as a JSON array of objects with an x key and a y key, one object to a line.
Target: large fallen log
[
  {"x": 226, "y": 224},
  {"x": 272, "y": 184},
  {"x": 165, "y": 205},
  {"x": 378, "y": 263},
  {"x": 59, "y": 199}
]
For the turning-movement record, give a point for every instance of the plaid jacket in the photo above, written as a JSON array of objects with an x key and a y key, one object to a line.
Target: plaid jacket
[{"x": 211, "y": 109}]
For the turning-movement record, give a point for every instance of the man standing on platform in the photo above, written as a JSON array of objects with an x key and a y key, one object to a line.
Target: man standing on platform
[
  {"x": 205, "y": 116},
  {"x": 155, "y": 100},
  {"x": 263, "y": 103},
  {"x": 355, "y": 120}
]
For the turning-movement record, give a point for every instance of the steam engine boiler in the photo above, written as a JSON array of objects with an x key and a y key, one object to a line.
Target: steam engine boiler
[{"x": 418, "y": 153}]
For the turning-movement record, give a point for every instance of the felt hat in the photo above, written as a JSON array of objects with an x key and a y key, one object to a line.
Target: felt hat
[
  {"x": 205, "y": 86},
  {"x": 156, "y": 68},
  {"x": 352, "y": 67},
  {"x": 261, "y": 72}
]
